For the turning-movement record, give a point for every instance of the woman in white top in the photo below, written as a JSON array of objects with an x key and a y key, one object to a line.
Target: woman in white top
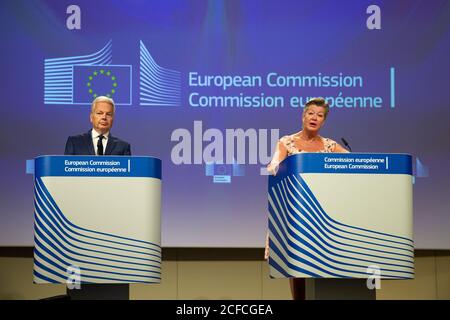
[{"x": 306, "y": 140}]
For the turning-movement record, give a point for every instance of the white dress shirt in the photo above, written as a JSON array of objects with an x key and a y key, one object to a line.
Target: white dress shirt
[{"x": 95, "y": 136}]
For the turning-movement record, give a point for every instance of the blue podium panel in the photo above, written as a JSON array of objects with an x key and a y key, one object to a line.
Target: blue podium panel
[
  {"x": 97, "y": 219},
  {"x": 342, "y": 216}
]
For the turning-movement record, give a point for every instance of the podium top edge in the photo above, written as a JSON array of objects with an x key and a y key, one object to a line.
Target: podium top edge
[
  {"x": 346, "y": 154},
  {"x": 97, "y": 166},
  {"x": 358, "y": 163},
  {"x": 355, "y": 153},
  {"x": 97, "y": 157}
]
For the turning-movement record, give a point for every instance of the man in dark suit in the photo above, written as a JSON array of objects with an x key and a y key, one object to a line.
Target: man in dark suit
[{"x": 98, "y": 140}]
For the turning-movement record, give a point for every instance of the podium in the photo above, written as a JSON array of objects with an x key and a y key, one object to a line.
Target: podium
[
  {"x": 97, "y": 221},
  {"x": 343, "y": 220}
]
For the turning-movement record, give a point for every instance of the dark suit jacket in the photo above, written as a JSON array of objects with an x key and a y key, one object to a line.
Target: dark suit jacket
[{"x": 82, "y": 145}]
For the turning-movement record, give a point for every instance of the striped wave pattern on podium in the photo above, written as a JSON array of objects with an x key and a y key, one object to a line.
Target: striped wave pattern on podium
[
  {"x": 100, "y": 257},
  {"x": 306, "y": 242}
]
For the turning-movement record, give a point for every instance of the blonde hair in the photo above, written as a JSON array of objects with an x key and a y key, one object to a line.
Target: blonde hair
[{"x": 320, "y": 102}]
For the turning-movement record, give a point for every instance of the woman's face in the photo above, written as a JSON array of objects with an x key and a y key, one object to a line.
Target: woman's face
[{"x": 313, "y": 118}]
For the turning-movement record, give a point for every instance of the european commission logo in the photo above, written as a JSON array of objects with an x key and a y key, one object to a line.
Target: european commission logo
[
  {"x": 113, "y": 81},
  {"x": 78, "y": 80}
]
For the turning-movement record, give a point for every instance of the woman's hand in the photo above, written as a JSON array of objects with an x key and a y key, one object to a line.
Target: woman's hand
[
  {"x": 279, "y": 155},
  {"x": 272, "y": 168},
  {"x": 266, "y": 251}
]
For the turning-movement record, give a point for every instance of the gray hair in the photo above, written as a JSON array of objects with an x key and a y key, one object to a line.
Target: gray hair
[{"x": 103, "y": 99}]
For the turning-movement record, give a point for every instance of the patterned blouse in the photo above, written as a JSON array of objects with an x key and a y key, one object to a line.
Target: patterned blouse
[{"x": 288, "y": 142}]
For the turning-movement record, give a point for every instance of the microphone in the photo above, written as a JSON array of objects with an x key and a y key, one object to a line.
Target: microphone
[{"x": 346, "y": 144}]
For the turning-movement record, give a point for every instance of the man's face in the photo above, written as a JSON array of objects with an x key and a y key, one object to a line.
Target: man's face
[{"x": 102, "y": 117}]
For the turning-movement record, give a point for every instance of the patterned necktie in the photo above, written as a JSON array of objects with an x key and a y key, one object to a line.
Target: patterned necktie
[{"x": 100, "y": 145}]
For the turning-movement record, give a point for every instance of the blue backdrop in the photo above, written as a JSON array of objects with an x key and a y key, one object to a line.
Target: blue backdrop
[{"x": 187, "y": 75}]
